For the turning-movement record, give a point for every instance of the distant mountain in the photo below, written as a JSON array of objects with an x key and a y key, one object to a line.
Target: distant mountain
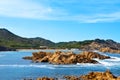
[
  {"x": 90, "y": 44},
  {"x": 8, "y": 39}
]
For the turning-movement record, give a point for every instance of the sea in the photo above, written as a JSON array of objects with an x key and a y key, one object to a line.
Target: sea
[{"x": 13, "y": 67}]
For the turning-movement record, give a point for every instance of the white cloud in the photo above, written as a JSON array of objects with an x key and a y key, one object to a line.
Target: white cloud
[
  {"x": 25, "y": 9},
  {"x": 108, "y": 17},
  {"x": 30, "y": 9}
]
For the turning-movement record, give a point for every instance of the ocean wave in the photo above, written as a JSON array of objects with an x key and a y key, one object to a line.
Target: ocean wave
[
  {"x": 47, "y": 66},
  {"x": 87, "y": 64},
  {"x": 26, "y": 66},
  {"x": 114, "y": 61}
]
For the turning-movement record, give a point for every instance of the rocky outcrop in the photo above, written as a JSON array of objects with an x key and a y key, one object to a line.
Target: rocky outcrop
[
  {"x": 107, "y": 49},
  {"x": 103, "y": 46},
  {"x": 45, "y": 78},
  {"x": 2, "y": 48},
  {"x": 27, "y": 58},
  {"x": 59, "y": 57},
  {"x": 92, "y": 55},
  {"x": 107, "y": 75}
]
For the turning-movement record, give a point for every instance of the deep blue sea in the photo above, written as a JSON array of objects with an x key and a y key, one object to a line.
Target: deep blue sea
[{"x": 13, "y": 67}]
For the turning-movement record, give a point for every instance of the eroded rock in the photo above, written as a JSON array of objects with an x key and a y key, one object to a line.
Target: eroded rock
[
  {"x": 107, "y": 49},
  {"x": 59, "y": 57}
]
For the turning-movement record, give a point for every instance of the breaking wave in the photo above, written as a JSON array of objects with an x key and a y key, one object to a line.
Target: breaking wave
[{"x": 109, "y": 63}]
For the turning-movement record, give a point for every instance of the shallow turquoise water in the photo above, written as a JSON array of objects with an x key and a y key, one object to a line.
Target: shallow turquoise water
[{"x": 13, "y": 67}]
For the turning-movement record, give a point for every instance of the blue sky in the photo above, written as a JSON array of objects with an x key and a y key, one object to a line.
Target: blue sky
[{"x": 62, "y": 20}]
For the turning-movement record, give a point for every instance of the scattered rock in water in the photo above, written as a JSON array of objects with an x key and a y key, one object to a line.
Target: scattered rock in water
[
  {"x": 45, "y": 78},
  {"x": 27, "y": 58},
  {"x": 107, "y": 75},
  {"x": 59, "y": 57}
]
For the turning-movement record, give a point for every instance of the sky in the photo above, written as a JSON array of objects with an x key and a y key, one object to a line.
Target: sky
[{"x": 62, "y": 20}]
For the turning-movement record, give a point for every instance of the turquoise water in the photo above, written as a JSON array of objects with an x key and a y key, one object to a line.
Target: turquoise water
[{"x": 13, "y": 67}]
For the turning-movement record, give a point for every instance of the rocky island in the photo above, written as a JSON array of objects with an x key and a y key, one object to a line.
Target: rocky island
[{"x": 59, "y": 57}]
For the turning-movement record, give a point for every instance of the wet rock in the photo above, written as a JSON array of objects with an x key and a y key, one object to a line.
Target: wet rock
[{"x": 27, "y": 58}]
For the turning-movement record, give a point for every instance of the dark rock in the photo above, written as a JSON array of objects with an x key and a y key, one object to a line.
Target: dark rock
[
  {"x": 2, "y": 48},
  {"x": 27, "y": 58}
]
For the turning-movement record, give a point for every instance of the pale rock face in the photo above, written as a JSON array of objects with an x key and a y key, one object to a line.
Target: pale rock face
[{"x": 65, "y": 57}]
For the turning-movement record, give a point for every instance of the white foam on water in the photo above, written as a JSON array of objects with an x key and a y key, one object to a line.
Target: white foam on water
[
  {"x": 114, "y": 61},
  {"x": 87, "y": 64},
  {"x": 25, "y": 66},
  {"x": 47, "y": 66}
]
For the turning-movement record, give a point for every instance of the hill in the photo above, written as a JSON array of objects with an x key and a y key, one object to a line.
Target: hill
[
  {"x": 8, "y": 39},
  {"x": 90, "y": 44}
]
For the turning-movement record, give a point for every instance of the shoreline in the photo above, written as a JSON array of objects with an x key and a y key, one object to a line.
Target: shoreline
[{"x": 40, "y": 49}]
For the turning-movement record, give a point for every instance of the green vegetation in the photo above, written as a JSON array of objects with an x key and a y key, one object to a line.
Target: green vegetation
[
  {"x": 11, "y": 40},
  {"x": 73, "y": 44}
]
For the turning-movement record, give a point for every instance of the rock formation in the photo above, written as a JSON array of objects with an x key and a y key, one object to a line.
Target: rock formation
[
  {"x": 59, "y": 57},
  {"x": 92, "y": 55},
  {"x": 2, "y": 48},
  {"x": 45, "y": 78},
  {"x": 107, "y": 49},
  {"x": 107, "y": 75},
  {"x": 103, "y": 46}
]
